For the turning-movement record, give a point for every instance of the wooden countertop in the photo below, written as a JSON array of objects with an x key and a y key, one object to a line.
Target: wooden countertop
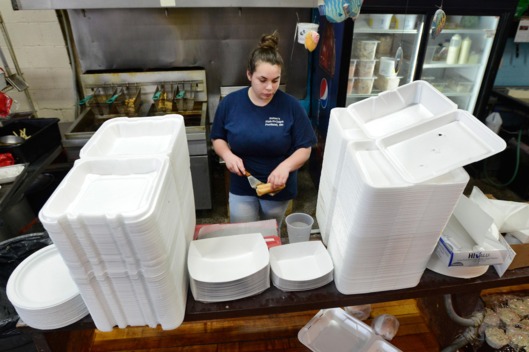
[{"x": 274, "y": 301}]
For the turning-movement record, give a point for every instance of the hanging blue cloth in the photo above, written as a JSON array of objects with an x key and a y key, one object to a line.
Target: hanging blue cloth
[{"x": 337, "y": 11}]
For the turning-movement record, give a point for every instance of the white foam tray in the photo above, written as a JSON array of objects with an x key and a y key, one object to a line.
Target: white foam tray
[
  {"x": 335, "y": 330},
  {"x": 229, "y": 258},
  {"x": 440, "y": 145},
  {"x": 399, "y": 109},
  {"x": 300, "y": 261}
]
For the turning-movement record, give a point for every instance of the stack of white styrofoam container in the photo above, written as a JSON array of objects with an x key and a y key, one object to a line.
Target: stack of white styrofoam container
[
  {"x": 122, "y": 219},
  {"x": 391, "y": 177}
]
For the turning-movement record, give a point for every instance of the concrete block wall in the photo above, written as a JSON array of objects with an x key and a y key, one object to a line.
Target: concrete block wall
[{"x": 42, "y": 54}]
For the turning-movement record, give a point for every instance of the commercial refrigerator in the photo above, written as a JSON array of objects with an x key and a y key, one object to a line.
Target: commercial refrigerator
[{"x": 344, "y": 71}]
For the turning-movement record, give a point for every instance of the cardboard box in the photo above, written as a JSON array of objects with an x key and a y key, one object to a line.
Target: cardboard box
[{"x": 521, "y": 260}]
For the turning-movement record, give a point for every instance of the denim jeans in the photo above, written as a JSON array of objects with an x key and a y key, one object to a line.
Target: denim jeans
[{"x": 250, "y": 208}]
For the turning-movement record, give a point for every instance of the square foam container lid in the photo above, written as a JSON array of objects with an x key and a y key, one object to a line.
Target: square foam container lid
[
  {"x": 440, "y": 145},
  {"x": 123, "y": 136},
  {"x": 335, "y": 330},
  {"x": 399, "y": 109}
]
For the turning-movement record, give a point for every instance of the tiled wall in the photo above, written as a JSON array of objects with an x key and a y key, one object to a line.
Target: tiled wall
[{"x": 42, "y": 55}]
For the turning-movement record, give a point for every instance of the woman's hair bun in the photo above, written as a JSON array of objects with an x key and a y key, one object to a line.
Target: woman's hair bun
[{"x": 270, "y": 41}]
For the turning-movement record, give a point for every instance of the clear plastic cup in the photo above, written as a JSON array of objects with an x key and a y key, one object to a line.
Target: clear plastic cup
[{"x": 299, "y": 226}]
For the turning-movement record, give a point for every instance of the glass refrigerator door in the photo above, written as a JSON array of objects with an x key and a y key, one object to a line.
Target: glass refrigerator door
[
  {"x": 376, "y": 40},
  {"x": 456, "y": 59}
]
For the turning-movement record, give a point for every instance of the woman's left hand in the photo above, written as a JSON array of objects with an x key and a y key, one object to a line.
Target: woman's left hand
[{"x": 279, "y": 176}]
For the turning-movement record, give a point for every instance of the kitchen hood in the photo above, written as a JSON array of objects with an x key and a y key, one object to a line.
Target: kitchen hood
[{"x": 113, "y": 4}]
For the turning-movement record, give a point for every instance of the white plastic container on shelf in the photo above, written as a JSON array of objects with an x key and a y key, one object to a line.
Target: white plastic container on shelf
[
  {"x": 387, "y": 67},
  {"x": 454, "y": 49},
  {"x": 379, "y": 21},
  {"x": 465, "y": 51},
  {"x": 363, "y": 85},
  {"x": 405, "y": 21},
  {"x": 384, "y": 83},
  {"x": 365, "y": 49},
  {"x": 365, "y": 68}
]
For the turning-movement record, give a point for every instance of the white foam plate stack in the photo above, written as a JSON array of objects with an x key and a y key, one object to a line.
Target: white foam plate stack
[
  {"x": 229, "y": 267},
  {"x": 122, "y": 219},
  {"x": 43, "y": 292},
  {"x": 398, "y": 159},
  {"x": 300, "y": 266}
]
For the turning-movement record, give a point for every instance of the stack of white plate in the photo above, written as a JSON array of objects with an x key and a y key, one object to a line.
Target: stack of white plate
[
  {"x": 228, "y": 268},
  {"x": 122, "y": 223},
  {"x": 43, "y": 292},
  {"x": 391, "y": 177},
  {"x": 300, "y": 266}
]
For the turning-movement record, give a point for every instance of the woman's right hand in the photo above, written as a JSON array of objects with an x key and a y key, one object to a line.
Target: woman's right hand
[{"x": 234, "y": 164}]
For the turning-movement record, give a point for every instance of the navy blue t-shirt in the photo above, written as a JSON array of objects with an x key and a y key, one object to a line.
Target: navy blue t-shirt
[{"x": 262, "y": 136}]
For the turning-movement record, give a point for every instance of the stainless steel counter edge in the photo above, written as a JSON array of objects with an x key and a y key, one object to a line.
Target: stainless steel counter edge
[{"x": 113, "y": 4}]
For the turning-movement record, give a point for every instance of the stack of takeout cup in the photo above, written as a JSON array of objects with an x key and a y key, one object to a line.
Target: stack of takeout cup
[
  {"x": 122, "y": 219},
  {"x": 391, "y": 177}
]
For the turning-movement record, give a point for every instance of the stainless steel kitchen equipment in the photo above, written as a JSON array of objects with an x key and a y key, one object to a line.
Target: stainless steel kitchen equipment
[{"x": 140, "y": 94}]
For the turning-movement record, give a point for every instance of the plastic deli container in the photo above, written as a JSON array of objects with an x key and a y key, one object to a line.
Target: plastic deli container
[
  {"x": 460, "y": 86},
  {"x": 405, "y": 21},
  {"x": 363, "y": 85},
  {"x": 380, "y": 21},
  {"x": 387, "y": 66},
  {"x": 365, "y": 68},
  {"x": 350, "y": 83},
  {"x": 352, "y": 67},
  {"x": 384, "y": 46},
  {"x": 386, "y": 83},
  {"x": 365, "y": 49}
]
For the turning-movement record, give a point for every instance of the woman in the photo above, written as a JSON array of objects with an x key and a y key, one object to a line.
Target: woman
[{"x": 264, "y": 131}]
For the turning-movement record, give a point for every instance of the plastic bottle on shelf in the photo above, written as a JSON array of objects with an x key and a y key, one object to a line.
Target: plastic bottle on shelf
[
  {"x": 453, "y": 49},
  {"x": 465, "y": 51}
]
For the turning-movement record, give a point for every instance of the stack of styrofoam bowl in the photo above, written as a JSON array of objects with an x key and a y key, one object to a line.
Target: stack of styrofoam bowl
[
  {"x": 229, "y": 267},
  {"x": 43, "y": 292},
  {"x": 122, "y": 219},
  {"x": 300, "y": 266},
  {"x": 391, "y": 177}
]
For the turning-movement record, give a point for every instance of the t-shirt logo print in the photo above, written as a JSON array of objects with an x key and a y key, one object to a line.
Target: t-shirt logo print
[{"x": 274, "y": 122}]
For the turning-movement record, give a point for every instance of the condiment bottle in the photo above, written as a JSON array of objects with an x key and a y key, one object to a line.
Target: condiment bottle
[
  {"x": 453, "y": 49},
  {"x": 465, "y": 51}
]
